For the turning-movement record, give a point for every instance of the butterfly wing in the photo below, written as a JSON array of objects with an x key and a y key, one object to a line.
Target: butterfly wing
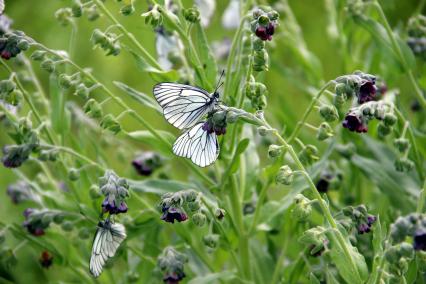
[
  {"x": 198, "y": 145},
  {"x": 106, "y": 242},
  {"x": 2, "y": 6},
  {"x": 183, "y": 105}
]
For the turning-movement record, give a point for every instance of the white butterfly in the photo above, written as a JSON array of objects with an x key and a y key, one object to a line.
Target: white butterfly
[
  {"x": 108, "y": 238},
  {"x": 2, "y": 6},
  {"x": 184, "y": 106}
]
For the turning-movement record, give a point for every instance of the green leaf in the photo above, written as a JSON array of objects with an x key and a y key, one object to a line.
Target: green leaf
[
  {"x": 148, "y": 138},
  {"x": 142, "y": 98},
  {"x": 59, "y": 116},
  {"x": 158, "y": 186},
  {"x": 207, "y": 59},
  {"x": 156, "y": 75},
  {"x": 313, "y": 279},
  {"x": 242, "y": 146},
  {"x": 214, "y": 277}
]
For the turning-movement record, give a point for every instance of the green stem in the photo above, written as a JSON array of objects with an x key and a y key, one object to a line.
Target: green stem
[
  {"x": 399, "y": 53},
  {"x": 258, "y": 207},
  {"x": 129, "y": 35},
  {"x": 422, "y": 198}
]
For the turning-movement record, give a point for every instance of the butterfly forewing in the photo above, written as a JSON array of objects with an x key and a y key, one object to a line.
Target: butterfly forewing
[
  {"x": 108, "y": 238},
  {"x": 183, "y": 105},
  {"x": 198, "y": 145}
]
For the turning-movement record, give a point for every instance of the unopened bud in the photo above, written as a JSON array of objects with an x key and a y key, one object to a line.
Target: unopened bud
[
  {"x": 302, "y": 209},
  {"x": 67, "y": 226},
  {"x": 48, "y": 65},
  {"x": 285, "y": 175},
  {"x": 329, "y": 113},
  {"x": 262, "y": 130},
  {"x": 38, "y": 55},
  {"x": 389, "y": 119},
  {"x": 401, "y": 144},
  {"x": 199, "y": 219},
  {"x": 74, "y": 174},
  {"x": 211, "y": 240},
  {"x": 274, "y": 151},
  {"x": 324, "y": 131},
  {"x": 219, "y": 213},
  {"x": 383, "y": 130}
]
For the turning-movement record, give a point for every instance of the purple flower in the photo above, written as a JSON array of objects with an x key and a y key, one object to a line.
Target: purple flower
[
  {"x": 173, "y": 277},
  {"x": 170, "y": 214},
  {"x": 109, "y": 205},
  {"x": 366, "y": 227},
  {"x": 208, "y": 126},
  {"x": 46, "y": 259},
  {"x": 33, "y": 223},
  {"x": 146, "y": 163},
  {"x": 419, "y": 239},
  {"x": 353, "y": 122},
  {"x": 367, "y": 92},
  {"x": 265, "y": 32}
]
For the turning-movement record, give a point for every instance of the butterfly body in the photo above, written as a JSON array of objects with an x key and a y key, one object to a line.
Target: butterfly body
[{"x": 185, "y": 107}]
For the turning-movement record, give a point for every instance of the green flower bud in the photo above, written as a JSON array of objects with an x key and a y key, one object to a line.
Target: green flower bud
[
  {"x": 92, "y": 13},
  {"x": 404, "y": 165},
  {"x": 324, "y": 131},
  {"x": 285, "y": 175},
  {"x": 262, "y": 130},
  {"x": 153, "y": 17},
  {"x": 110, "y": 123},
  {"x": 63, "y": 16},
  {"x": 339, "y": 101},
  {"x": 340, "y": 89},
  {"x": 23, "y": 45},
  {"x": 258, "y": 44},
  {"x": 67, "y": 226},
  {"x": 192, "y": 15},
  {"x": 84, "y": 233},
  {"x": 82, "y": 91},
  {"x": 302, "y": 209},
  {"x": 65, "y": 81},
  {"x": 194, "y": 206},
  {"x": 379, "y": 112},
  {"x": 263, "y": 20},
  {"x": 199, "y": 219},
  {"x": 7, "y": 86},
  {"x": 392, "y": 254},
  {"x": 329, "y": 113},
  {"x": 46, "y": 219},
  {"x": 211, "y": 240},
  {"x": 74, "y": 174},
  {"x": 274, "y": 151},
  {"x": 127, "y": 10},
  {"x": 48, "y": 65},
  {"x": 257, "y": 13},
  {"x": 308, "y": 154},
  {"x": 38, "y": 55},
  {"x": 406, "y": 250},
  {"x": 94, "y": 191},
  {"x": 219, "y": 213},
  {"x": 401, "y": 144},
  {"x": 389, "y": 119},
  {"x": 383, "y": 130},
  {"x": 58, "y": 218},
  {"x": 93, "y": 109},
  {"x": 14, "y": 97},
  {"x": 260, "y": 61},
  {"x": 273, "y": 15},
  {"x": 77, "y": 8}
]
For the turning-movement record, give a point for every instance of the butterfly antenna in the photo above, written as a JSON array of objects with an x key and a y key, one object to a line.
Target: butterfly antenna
[{"x": 219, "y": 83}]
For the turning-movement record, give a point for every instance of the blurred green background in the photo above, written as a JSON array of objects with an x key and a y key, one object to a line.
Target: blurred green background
[{"x": 287, "y": 79}]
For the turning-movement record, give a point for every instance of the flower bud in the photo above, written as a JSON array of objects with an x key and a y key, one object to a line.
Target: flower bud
[
  {"x": 94, "y": 192},
  {"x": 127, "y": 10},
  {"x": 67, "y": 226},
  {"x": 13, "y": 98},
  {"x": 392, "y": 254},
  {"x": 401, "y": 144},
  {"x": 383, "y": 130},
  {"x": 192, "y": 15},
  {"x": 7, "y": 86},
  {"x": 92, "y": 13},
  {"x": 231, "y": 117},
  {"x": 63, "y": 15},
  {"x": 93, "y": 109},
  {"x": 76, "y": 8},
  {"x": 406, "y": 250},
  {"x": 329, "y": 113},
  {"x": 302, "y": 209},
  {"x": 194, "y": 206},
  {"x": 339, "y": 101},
  {"x": 340, "y": 89},
  {"x": 308, "y": 154},
  {"x": 153, "y": 17},
  {"x": 211, "y": 240},
  {"x": 110, "y": 123},
  {"x": 219, "y": 213},
  {"x": 82, "y": 91},
  {"x": 389, "y": 119},
  {"x": 274, "y": 151},
  {"x": 404, "y": 164},
  {"x": 23, "y": 45},
  {"x": 285, "y": 175},
  {"x": 58, "y": 218},
  {"x": 65, "y": 81},
  {"x": 324, "y": 131},
  {"x": 48, "y": 65},
  {"x": 262, "y": 130},
  {"x": 260, "y": 61},
  {"x": 38, "y": 55},
  {"x": 74, "y": 174},
  {"x": 199, "y": 219},
  {"x": 258, "y": 44}
]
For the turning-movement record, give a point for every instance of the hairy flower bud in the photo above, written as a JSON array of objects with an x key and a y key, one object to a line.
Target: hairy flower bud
[
  {"x": 219, "y": 213},
  {"x": 199, "y": 219},
  {"x": 285, "y": 175},
  {"x": 308, "y": 154},
  {"x": 389, "y": 119},
  {"x": 404, "y": 164},
  {"x": 401, "y": 144},
  {"x": 383, "y": 130},
  {"x": 127, "y": 9},
  {"x": 324, "y": 131},
  {"x": 211, "y": 240},
  {"x": 329, "y": 113},
  {"x": 93, "y": 109},
  {"x": 74, "y": 174},
  {"x": 110, "y": 123},
  {"x": 76, "y": 8},
  {"x": 48, "y": 65},
  {"x": 192, "y": 15},
  {"x": 302, "y": 209},
  {"x": 274, "y": 151}
]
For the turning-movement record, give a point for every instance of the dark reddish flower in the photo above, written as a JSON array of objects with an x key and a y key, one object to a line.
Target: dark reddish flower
[
  {"x": 354, "y": 123},
  {"x": 324, "y": 182},
  {"x": 419, "y": 239},
  {"x": 34, "y": 225},
  {"x": 170, "y": 214},
  {"x": 46, "y": 259},
  {"x": 6, "y": 54},
  {"x": 173, "y": 277},
  {"x": 146, "y": 163},
  {"x": 109, "y": 205},
  {"x": 208, "y": 126},
  {"x": 367, "y": 92}
]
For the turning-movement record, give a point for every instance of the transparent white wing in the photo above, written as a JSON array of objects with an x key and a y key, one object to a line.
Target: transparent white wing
[
  {"x": 198, "y": 145},
  {"x": 106, "y": 242},
  {"x": 183, "y": 105},
  {"x": 1, "y": 6}
]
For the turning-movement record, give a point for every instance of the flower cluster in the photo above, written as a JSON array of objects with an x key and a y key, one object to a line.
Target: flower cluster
[
  {"x": 171, "y": 263},
  {"x": 357, "y": 217},
  {"x": 21, "y": 191},
  {"x": 9, "y": 93},
  {"x": 257, "y": 93},
  {"x": 174, "y": 207},
  {"x": 315, "y": 239},
  {"x": 398, "y": 258},
  {"x": 115, "y": 190},
  {"x": 359, "y": 85},
  {"x": 216, "y": 122},
  {"x": 37, "y": 221},
  {"x": 12, "y": 43},
  {"x": 412, "y": 225},
  {"x": 107, "y": 41},
  {"x": 147, "y": 162},
  {"x": 417, "y": 35},
  {"x": 264, "y": 24},
  {"x": 153, "y": 16}
]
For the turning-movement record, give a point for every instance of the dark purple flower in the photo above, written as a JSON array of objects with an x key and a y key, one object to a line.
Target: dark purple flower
[
  {"x": 354, "y": 123},
  {"x": 261, "y": 32},
  {"x": 367, "y": 92},
  {"x": 33, "y": 225},
  {"x": 46, "y": 259},
  {"x": 109, "y": 205},
  {"x": 363, "y": 228},
  {"x": 6, "y": 54},
  {"x": 170, "y": 214},
  {"x": 324, "y": 182},
  {"x": 371, "y": 219},
  {"x": 419, "y": 239},
  {"x": 173, "y": 277},
  {"x": 146, "y": 163},
  {"x": 208, "y": 126},
  {"x": 219, "y": 130}
]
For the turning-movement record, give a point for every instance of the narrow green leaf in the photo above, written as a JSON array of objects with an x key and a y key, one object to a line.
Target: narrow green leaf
[
  {"x": 214, "y": 277},
  {"x": 242, "y": 146},
  {"x": 158, "y": 186},
  {"x": 146, "y": 137},
  {"x": 59, "y": 116},
  {"x": 144, "y": 99},
  {"x": 313, "y": 279}
]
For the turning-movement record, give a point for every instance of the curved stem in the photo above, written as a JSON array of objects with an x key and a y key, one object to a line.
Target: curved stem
[{"x": 422, "y": 198}]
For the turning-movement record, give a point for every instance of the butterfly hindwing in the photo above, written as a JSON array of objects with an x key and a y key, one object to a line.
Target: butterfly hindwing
[
  {"x": 183, "y": 105},
  {"x": 108, "y": 238},
  {"x": 198, "y": 145}
]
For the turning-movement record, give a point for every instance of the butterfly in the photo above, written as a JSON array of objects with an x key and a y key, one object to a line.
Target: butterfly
[
  {"x": 2, "y": 6},
  {"x": 184, "y": 107},
  {"x": 108, "y": 238}
]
